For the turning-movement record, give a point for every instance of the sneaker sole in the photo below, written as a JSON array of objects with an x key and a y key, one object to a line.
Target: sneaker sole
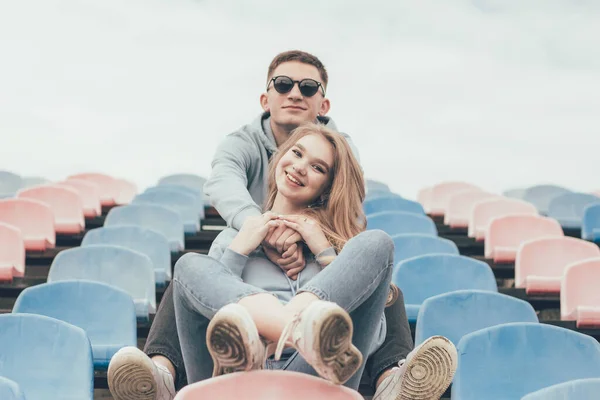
[
  {"x": 130, "y": 378},
  {"x": 430, "y": 370}
]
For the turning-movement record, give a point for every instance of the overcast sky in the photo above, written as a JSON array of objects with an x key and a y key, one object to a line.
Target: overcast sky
[{"x": 499, "y": 93}]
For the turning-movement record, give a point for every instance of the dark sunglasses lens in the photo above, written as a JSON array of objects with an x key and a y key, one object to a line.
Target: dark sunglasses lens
[
  {"x": 308, "y": 87},
  {"x": 283, "y": 84}
]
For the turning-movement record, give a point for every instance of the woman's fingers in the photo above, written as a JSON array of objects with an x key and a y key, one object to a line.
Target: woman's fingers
[{"x": 292, "y": 225}]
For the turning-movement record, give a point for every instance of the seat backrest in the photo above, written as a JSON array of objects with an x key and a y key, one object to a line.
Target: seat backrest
[
  {"x": 9, "y": 183},
  {"x": 441, "y": 193},
  {"x": 512, "y": 230},
  {"x": 590, "y": 226},
  {"x": 460, "y": 206},
  {"x": 410, "y": 245},
  {"x": 118, "y": 266},
  {"x": 397, "y": 222},
  {"x": 189, "y": 180},
  {"x": 514, "y": 193},
  {"x": 568, "y": 208},
  {"x": 89, "y": 193},
  {"x": 185, "y": 204},
  {"x": 549, "y": 257},
  {"x": 579, "y": 287},
  {"x": 266, "y": 385},
  {"x": 578, "y": 389},
  {"x": 48, "y": 358},
  {"x": 392, "y": 203},
  {"x": 484, "y": 211},
  {"x": 458, "y": 313},
  {"x": 155, "y": 217},
  {"x": 146, "y": 241},
  {"x": 373, "y": 184},
  {"x": 10, "y": 390},
  {"x": 429, "y": 275},
  {"x": 424, "y": 198},
  {"x": 33, "y": 218},
  {"x": 12, "y": 252},
  {"x": 127, "y": 191},
  {"x": 29, "y": 181},
  {"x": 184, "y": 189},
  {"x": 511, "y": 360},
  {"x": 542, "y": 195},
  {"x": 109, "y": 187},
  {"x": 66, "y": 204}
]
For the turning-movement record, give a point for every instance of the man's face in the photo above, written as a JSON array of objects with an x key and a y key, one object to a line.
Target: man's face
[{"x": 292, "y": 109}]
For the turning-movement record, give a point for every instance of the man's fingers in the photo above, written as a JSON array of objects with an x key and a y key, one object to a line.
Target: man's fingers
[
  {"x": 293, "y": 273},
  {"x": 291, "y": 250}
]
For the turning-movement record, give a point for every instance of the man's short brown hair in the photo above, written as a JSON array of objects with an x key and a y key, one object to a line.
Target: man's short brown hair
[{"x": 299, "y": 56}]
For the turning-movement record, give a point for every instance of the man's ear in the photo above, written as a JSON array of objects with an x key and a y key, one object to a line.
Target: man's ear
[
  {"x": 325, "y": 106},
  {"x": 264, "y": 102}
]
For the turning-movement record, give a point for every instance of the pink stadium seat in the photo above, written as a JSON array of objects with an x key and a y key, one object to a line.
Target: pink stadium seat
[
  {"x": 12, "y": 252},
  {"x": 127, "y": 192},
  {"x": 506, "y": 234},
  {"x": 461, "y": 204},
  {"x": 441, "y": 193},
  {"x": 267, "y": 385},
  {"x": 66, "y": 204},
  {"x": 579, "y": 294},
  {"x": 596, "y": 192},
  {"x": 541, "y": 263},
  {"x": 89, "y": 193},
  {"x": 424, "y": 197},
  {"x": 484, "y": 211},
  {"x": 109, "y": 187},
  {"x": 33, "y": 218}
]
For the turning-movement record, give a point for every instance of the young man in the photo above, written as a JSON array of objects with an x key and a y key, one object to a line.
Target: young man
[{"x": 295, "y": 93}]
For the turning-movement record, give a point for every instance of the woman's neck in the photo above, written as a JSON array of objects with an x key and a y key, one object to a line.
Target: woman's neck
[{"x": 283, "y": 206}]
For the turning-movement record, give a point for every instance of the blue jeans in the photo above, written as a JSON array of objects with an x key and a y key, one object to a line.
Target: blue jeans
[{"x": 358, "y": 280}]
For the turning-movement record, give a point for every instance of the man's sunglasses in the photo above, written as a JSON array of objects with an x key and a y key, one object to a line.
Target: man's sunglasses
[{"x": 284, "y": 84}]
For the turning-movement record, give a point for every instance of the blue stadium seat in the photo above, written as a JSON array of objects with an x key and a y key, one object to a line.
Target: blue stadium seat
[
  {"x": 578, "y": 389},
  {"x": 49, "y": 359},
  {"x": 455, "y": 314},
  {"x": 541, "y": 196},
  {"x": 397, "y": 223},
  {"x": 391, "y": 203},
  {"x": 105, "y": 313},
  {"x": 183, "y": 203},
  {"x": 10, "y": 390},
  {"x": 409, "y": 246},
  {"x": 425, "y": 276},
  {"x": 147, "y": 241},
  {"x": 190, "y": 180},
  {"x": 568, "y": 208},
  {"x": 373, "y": 184},
  {"x": 158, "y": 218},
  {"x": 29, "y": 181},
  {"x": 118, "y": 266},
  {"x": 590, "y": 226},
  {"x": 183, "y": 189},
  {"x": 511, "y": 360},
  {"x": 10, "y": 183}
]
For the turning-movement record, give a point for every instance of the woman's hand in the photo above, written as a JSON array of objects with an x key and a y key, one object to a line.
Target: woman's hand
[
  {"x": 310, "y": 231},
  {"x": 253, "y": 232}
]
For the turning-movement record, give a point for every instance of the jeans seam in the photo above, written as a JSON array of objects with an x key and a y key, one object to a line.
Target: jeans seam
[
  {"x": 181, "y": 377},
  {"x": 316, "y": 291}
]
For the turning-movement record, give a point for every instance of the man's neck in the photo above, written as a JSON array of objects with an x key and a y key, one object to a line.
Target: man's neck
[{"x": 280, "y": 133}]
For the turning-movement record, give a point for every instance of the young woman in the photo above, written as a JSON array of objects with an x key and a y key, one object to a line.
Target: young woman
[{"x": 244, "y": 305}]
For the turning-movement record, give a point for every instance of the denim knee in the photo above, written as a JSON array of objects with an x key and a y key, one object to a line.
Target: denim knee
[
  {"x": 378, "y": 245},
  {"x": 192, "y": 264}
]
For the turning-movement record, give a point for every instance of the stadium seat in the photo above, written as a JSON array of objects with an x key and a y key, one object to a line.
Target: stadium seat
[
  {"x": 511, "y": 360},
  {"x": 391, "y": 203},
  {"x": 184, "y": 189},
  {"x": 127, "y": 191},
  {"x": 596, "y": 193},
  {"x": 66, "y": 204},
  {"x": 30, "y": 181},
  {"x": 424, "y": 198},
  {"x": 379, "y": 193},
  {"x": 590, "y": 227},
  {"x": 541, "y": 263},
  {"x": 118, "y": 266},
  {"x": 458, "y": 313},
  {"x": 9, "y": 184},
  {"x": 12, "y": 252},
  {"x": 578, "y": 389},
  {"x": 441, "y": 193},
  {"x": 541, "y": 196},
  {"x": 373, "y": 184},
  {"x": 429, "y": 275},
  {"x": 146, "y": 241},
  {"x": 33, "y": 218},
  {"x": 190, "y": 180},
  {"x": 396, "y": 223},
  {"x": 514, "y": 193},
  {"x": 460, "y": 206},
  {"x": 10, "y": 390},
  {"x": 105, "y": 313},
  {"x": 484, "y": 211},
  {"x": 89, "y": 192},
  {"x": 110, "y": 189},
  {"x": 158, "y": 218},
  {"x": 568, "y": 208},
  {"x": 411, "y": 245},
  {"x": 267, "y": 385},
  {"x": 505, "y": 234},
  {"x": 183, "y": 203},
  {"x": 579, "y": 294},
  {"x": 49, "y": 359}
]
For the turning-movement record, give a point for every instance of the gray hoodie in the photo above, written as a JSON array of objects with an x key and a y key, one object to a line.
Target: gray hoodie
[{"x": 237, "y": 186}]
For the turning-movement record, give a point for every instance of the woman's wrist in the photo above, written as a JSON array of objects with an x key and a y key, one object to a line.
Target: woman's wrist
[{"x": 239, "y": 247}]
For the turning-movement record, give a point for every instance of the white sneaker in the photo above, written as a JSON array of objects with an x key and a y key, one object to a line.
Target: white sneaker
[
  {"x": 233, "y": 341},
  {"x": 322, "y": 334},
  {"x": 132, "y": 375},
  {"x": 424, "y": 375}
]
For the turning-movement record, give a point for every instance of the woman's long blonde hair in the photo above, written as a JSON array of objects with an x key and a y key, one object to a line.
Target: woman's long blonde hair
[{"x": 339, "y": 209}]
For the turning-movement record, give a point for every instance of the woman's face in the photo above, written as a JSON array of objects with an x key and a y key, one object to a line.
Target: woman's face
[{"x": 304, "y": 172}]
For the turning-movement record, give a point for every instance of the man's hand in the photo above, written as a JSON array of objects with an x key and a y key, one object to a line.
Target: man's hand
[
  {"x": 292, "y": 261},
  {"x": 281, "y": 238}
]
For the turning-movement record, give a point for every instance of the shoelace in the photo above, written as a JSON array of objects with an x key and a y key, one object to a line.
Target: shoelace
[{"x": 287, "y": 331}]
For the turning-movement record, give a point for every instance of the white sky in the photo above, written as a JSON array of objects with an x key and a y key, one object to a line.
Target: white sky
[{"x": 495, "y": 92}]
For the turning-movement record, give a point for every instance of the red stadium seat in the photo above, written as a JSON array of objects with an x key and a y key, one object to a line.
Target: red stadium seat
[
  {"x": 460, "y": 206},
  {"x": 110, "y": 189},
  {"x": 486, "y": 210},
  {"x": 33, "y": 218},
  {"x": 65, "y": 202},
  {"x": 12, "y": 252},
  {"x": 442, "y": 192},
  {"x": 89, "y": 193},
  {"x": 579, "y": 294}
]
